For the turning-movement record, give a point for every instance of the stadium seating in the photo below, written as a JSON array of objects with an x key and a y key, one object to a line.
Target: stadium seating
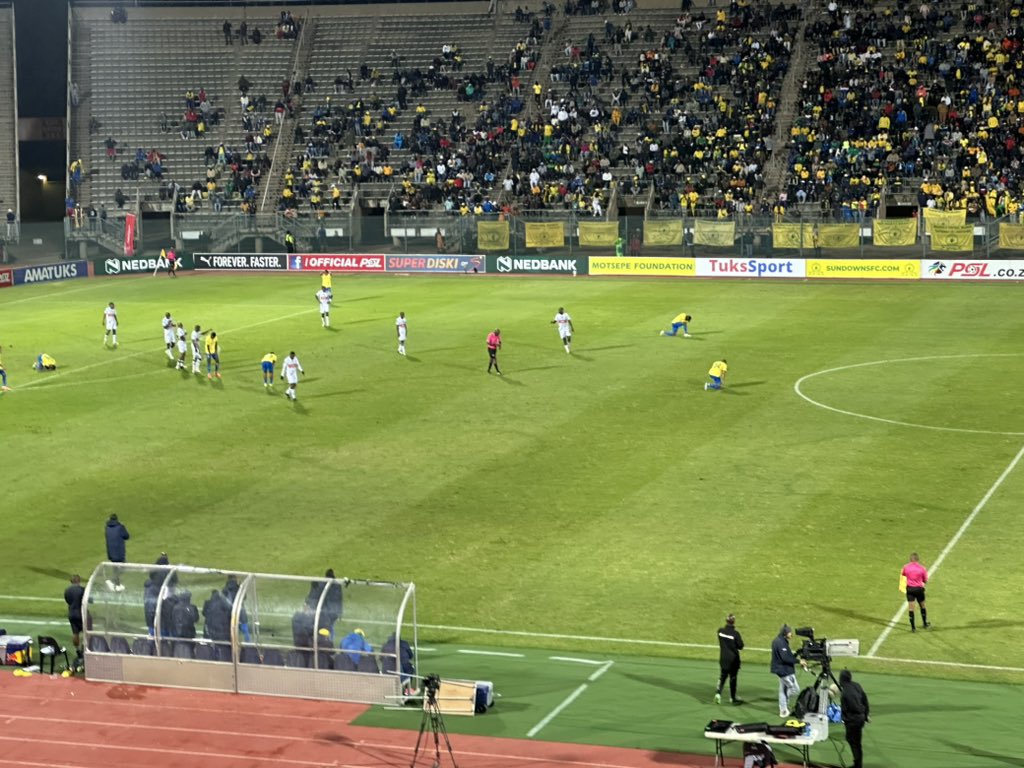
[{"x": 8, "y": 116}]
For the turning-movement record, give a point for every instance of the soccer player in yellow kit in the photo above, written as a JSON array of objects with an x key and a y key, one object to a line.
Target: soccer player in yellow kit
[
  {"x": 717, "y": 373},
  {"x": 325, "y": 283},
  {"x": 267, "y": 364},
  {"x": 681, "y": 320},
  {"x": 212, "y": 355}
]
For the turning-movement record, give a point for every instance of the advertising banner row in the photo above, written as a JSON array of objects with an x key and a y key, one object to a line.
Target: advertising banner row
[{"x": 643, "y": 266}]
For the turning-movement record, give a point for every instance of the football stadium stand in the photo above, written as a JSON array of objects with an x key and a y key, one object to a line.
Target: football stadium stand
[{"x": 8, "y": 123}]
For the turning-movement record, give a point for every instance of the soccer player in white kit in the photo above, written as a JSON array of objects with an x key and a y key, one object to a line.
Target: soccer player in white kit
[
  {"x": 402, "y": 330},
  {"x": 325, "y": 307},
  {"x": 109, "y": 323},
  {"x": 290, "y": 370},
  {"x": 197, "y": 348},
  {"x": 168, "y": 325},
  {"x": 179, "y": 334},
  {"x": 565, "y": 329}
]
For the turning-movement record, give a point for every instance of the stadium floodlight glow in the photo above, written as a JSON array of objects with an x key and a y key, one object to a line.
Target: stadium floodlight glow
[{"x": 42, "y": 178}]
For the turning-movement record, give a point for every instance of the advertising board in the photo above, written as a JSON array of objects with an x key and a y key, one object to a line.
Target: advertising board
[
  {"x": 336, "y": 262},
  {"x": 643, "y": 265},
  {"x": 956, "y": 269},
  {"x": 751, "y": 267},
  {"x": 433, "y": 263},
  {"x": 45, "y": 273},
  {"x": 241, "y": 261}
]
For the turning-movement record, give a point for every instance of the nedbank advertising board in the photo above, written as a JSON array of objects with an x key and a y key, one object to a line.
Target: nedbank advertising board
[{"x": 535, "y": 265}]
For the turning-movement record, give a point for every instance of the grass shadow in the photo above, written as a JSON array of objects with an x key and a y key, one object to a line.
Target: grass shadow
[
  {"x": 55, "y": 573},
  {"x": 412, "y": 359},
  {"x": 965, "y": 749},
  {"x": 744, "y": 384},
  {"x": 848, "y": 614},
  {"x": 511, "y": 382},
  {"x": 537, "y": 368},
  {"x": 605, "y": 349},
  {"x": 338, "y": 393},
  {"x": 697, "y": 693}
]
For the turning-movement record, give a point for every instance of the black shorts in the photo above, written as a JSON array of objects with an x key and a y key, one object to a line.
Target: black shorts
[
  {"x": 76, "y": 623},
  {"x": 493, "y": 353},
  {"x": 915, "y": 594}
]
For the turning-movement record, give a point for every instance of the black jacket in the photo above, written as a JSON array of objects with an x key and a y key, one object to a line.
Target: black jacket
[
  {"x": 783, "y": 660},
  {"x": 854, "y": 701},
  {"x": 117, "y": 535},
  {"x": 73, "y": 597},
  {"x": 729, "y": 646}
]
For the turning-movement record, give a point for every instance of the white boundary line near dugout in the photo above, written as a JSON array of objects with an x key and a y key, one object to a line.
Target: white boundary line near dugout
[
  {"x": 802, "y": 379},
  {"x": 949, "y": 547}
]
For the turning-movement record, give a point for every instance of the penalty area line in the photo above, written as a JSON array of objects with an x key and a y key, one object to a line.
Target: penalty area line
[{"x": 949, "y": 547}]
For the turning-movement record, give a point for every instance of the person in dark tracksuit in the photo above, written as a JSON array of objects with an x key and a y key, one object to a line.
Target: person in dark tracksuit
[
  {"x": 116, "y": 535},
  {"x": 730, "y": 643},
  {"x": 856, "y": 713}
]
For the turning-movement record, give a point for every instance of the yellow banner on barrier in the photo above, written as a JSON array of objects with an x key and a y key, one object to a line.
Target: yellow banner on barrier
[
  {"x": 717, "y": 233},
  {"x": 492, "y": 235},
  {"x": 935, "y": 216},
  {"x": 1011, "y": 236},
  {"x": 663, "y": 232},
  {"x": 643, "y": 265},
  {"x": 952, "y": 237},
  {"x": 871, "y": 269},
  {"x": 547, "y": 235},
  {"x": 594, "y": 233},
  {"x": 789, "y": 236},
  {"x": 837, "y": 235},
  {"x": 894, "y": 232}
]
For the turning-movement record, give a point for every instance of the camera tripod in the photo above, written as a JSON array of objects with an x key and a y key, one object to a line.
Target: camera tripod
[
  {"x": 821, "y": 685},
  {"x": 432, "y": 716}
]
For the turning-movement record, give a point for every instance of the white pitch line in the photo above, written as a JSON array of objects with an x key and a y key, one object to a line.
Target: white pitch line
[
  {"x": 576, "y": 661},
  {"x": 949, "y": 547},
  {"x": 631, "y": 641},
  {"x": 895, "y": 422},
  {"x": 607, "y": 665},
  {"x": 492, "y": 653},
  {"x": 556, "y": 711}
]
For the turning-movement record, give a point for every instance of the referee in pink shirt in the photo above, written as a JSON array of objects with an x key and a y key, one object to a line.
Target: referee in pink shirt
[
  {"x": 493, "y": 345},
  {"x": 917, "y": 576}
]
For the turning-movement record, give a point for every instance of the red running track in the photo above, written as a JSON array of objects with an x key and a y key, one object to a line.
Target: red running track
[{"x": 54, "y": 722}]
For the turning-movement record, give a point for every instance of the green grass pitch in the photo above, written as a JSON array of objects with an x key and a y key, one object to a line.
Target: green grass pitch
[{"x": 598, "y": 494}]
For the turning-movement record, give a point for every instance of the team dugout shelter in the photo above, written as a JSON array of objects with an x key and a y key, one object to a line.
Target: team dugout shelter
[{"x": 204, "y": 628}]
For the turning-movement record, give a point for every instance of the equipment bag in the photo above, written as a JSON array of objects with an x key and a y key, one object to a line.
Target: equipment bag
[
  {"x": 806, "y": 702},
  {"x": 758, "y": 754}
]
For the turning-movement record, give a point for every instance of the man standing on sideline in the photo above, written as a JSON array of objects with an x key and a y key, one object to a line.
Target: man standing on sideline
[
  {"x": 116, "y": 535},
  {"x": 109, "y": 324},
  {"x": 290, "y": 370},
  {"x": 717, "y": 373},
  {"x": 565, "y": 329},
  {"x": 493, "y": 345},
  {"x": 784, "y": 667},
  {"x": 402, "y": 328},
  {"x": 267, "y": 365},
  {"x": 73, "y": 597},
  {"x": 729, "y": 646},
  {"x": 917, "y": 576},
  {"x": 682, "y": 320},
  {"x": 325, "y": 307},
  {"x": 856, "y": 713}
]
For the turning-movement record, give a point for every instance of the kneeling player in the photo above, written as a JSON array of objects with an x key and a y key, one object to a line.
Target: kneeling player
[
  {"x": 717, "y": 373},
  {"x": 290, "y": 370}
]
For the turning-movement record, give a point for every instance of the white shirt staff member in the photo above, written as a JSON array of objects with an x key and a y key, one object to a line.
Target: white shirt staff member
[{"x": 290, "y": 370}]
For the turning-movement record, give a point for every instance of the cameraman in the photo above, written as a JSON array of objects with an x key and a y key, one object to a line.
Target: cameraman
[
  {"x": 784, "y": 667},
  {"x": 856, "y": 713}
]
